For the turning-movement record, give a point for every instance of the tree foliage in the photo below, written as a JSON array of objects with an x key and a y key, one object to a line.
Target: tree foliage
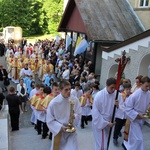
[
  {"x": 54, "y": 9},
  {"x": 33, "y": 16}
]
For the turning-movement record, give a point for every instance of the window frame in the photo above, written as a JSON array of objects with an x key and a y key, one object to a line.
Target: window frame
[{"x": 144, "y": 4}]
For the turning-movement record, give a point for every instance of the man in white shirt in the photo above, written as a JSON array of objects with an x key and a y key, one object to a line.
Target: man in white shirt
[
  {"x": 32, "y": 93},
  {"x": 135, "y": 110},
  {"x": 33, "y": 54},
  {"x": 102, "y": 112},
  {"x": 8, "y": 52},
  {"x": 120, "y": 116},
  {"x": 58, "y": 116},
  {"x": 66, "y": 73},
  {"x": 77, "y": 92},
  {"x": 25, "y": 72}
]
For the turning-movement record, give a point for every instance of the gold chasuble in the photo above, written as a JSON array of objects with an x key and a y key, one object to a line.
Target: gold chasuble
[
  {"x": 37, "y": 104},
  {"x": 34, "y": 98},
  {"x": 83, "y": 99},
  {"x": 16, "y": 70},
  {"x": 127, "y": 124},
  {"x": 47, "y": 100}
]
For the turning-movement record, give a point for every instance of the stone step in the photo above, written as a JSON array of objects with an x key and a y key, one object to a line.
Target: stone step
[{"x": 27, "y": 138}]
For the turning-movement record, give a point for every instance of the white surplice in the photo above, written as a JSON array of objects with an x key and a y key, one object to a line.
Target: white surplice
[
  {"x": 58, "y": 113},
  {"x": 26, "y": 72},
  {"x": 120, "y": 111},
  {"x": 33, "y": 92},
  {"x": 86, "y": 110},
  {"x": 137, "y": 104},
  {"x": 40, "y": 115},
  {"x": 101, "y": 115},
  {"x": 76, "y": 93},
  {"x": 33, "y": 117}
]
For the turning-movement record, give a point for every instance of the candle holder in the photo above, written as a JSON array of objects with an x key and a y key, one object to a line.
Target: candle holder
[
  {"x": 147, "y": 114},
  {"x": 70, "y": 125}
]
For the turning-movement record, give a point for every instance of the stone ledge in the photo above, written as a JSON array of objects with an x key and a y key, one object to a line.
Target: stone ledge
[
  {"x": 4, "y": 134},
  {"x": 147, "y": 122},
  {"x": 4, "y": 112},
  {"x": 4, "y": 129}
]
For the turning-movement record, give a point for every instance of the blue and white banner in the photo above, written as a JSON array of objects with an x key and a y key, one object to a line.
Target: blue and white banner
[
  {"x": 68, "y": 41},
  {"x": 57, "y": 38},
  {"x": 81, "y": 47}
]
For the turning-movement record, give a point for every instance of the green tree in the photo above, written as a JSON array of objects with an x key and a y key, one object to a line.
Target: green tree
[
  {"x": 54, "y": 9},
  {"x": 23, "y": 13},
  {"x": 33, "y": 16}
]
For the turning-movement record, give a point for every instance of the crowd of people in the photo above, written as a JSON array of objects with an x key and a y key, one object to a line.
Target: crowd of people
[{"x": 66, "y": 84}]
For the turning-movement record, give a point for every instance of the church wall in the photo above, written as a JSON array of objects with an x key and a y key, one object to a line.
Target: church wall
[
  {"x": 106, "y": 65},
  {"x": 132, "y": 68}
]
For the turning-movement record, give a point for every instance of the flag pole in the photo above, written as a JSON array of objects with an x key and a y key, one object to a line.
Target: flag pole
[{"x": 122, "y": 63}]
